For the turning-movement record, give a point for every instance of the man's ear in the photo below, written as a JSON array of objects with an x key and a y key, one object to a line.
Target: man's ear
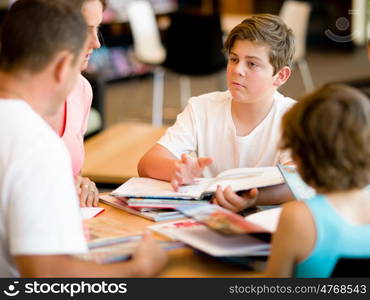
[
  {"x": 62, "y": 65},
  {"x": 282, "y": 76}
]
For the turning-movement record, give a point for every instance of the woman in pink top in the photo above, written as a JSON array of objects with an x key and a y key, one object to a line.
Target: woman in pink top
[{"x": 71, "y": 121}]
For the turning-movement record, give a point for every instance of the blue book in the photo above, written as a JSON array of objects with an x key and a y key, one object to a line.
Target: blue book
[{"x": 299, "y": 189}]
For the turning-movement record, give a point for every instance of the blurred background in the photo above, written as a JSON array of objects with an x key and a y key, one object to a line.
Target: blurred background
[{"x": 175, "y": 46}]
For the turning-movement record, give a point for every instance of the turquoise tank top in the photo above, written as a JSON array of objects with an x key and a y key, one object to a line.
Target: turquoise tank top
[{"x": 336, "y": 238}]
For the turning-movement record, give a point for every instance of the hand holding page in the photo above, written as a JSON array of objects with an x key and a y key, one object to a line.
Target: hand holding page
[{"x": 238, "y": 179}]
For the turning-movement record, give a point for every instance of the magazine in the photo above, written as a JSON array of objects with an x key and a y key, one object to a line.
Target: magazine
[
  {"x": 200, "y": 237},
  {"x": 221, "y": 220}
]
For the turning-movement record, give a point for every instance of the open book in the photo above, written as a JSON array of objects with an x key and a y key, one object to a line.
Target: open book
[
  {"x": 200, "y": 237},
  {"x": 238, "y": 179}
]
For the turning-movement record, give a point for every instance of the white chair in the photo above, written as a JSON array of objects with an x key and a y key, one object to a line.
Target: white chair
[
  {"x": 148, "y": 49},
  {"x": 296, "y": 15}
]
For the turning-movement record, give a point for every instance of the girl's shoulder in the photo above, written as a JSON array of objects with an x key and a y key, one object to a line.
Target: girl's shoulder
[{"x": 298, "y": 223}]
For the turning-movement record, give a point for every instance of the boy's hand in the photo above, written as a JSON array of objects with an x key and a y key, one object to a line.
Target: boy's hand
[
  {"x": 187, "y": 169},
  {"x": 231, "y": 201},
  {"x": 149, "y": 256}
]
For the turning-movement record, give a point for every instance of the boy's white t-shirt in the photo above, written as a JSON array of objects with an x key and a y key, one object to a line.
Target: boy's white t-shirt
[
  {"x": 39, "y": 212},
  {"x": 206, "y": 127}
]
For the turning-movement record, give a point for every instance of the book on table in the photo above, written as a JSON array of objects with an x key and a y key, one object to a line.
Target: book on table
[
  {"x": 238, "y": 179},
  {"x": 116, "y": 249},
  {"x": 215, "y": 239},
  {"x": 155, "y": 214}
]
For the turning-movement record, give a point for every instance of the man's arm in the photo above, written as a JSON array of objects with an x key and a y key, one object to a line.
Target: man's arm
[{"x": 148, "y": 260}]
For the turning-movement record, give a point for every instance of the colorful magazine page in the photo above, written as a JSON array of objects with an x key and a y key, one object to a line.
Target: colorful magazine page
[
  {"x": 221, "y": 220},
  {"x": 204, "y": 239},
  {"x": 110, "y": 250}
]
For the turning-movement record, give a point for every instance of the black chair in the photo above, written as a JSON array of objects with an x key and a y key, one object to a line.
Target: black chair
[
  {"x": 194, "y": 47},
  {"x": 98, "y": 102},
  {"x": 352, "y": 268}
]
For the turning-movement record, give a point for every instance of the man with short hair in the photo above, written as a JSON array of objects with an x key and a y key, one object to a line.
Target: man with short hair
[{"x": 42, "y": 47}]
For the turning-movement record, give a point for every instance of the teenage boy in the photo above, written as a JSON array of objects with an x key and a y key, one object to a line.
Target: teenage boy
[
  {"x": 236, "y": 128},
  {"x": 43, "y": 44}
]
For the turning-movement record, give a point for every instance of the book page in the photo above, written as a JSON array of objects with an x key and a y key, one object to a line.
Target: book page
[
  {"x": 141, "y": 187},
  {"x": 247, "y": 178},
  {"x": 268, "y": 218},
  {"x": 90, "y": 212}
]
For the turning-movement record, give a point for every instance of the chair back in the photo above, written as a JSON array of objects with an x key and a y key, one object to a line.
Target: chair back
[
  {"x": 296, "y": 15},
  {"x": 148, "y": 47},
  {"x": 194, "y": 44},
  {"x": 352, "y": 268}
]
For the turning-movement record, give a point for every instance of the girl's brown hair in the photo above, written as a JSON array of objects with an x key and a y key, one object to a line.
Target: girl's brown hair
[{"x": 328, "y": 134}]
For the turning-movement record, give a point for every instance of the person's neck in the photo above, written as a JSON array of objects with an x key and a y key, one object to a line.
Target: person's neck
[
  {"x": 21, "y": 86},
  {"x": 247, "y": 116}
]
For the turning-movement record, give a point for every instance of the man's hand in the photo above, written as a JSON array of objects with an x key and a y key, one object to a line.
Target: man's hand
[
  {"x": 187, "y": 169},
  {"x": 149, "y": 256},
  {"x": 232, "y": 201}
]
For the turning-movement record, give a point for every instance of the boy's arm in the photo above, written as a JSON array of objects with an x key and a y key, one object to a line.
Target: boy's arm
[
  {"x": 148, "y": 259},
  {"x": 158, "y": 163}
]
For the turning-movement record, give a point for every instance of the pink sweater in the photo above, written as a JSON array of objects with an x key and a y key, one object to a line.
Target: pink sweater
[{"x": 77, "y": 114}]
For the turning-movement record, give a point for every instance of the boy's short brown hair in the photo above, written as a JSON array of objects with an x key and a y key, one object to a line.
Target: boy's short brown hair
[
  {"x": 328, "y": 132},
  {"x": 34, "y": 31},
  {"x": 269, "y": 30}
]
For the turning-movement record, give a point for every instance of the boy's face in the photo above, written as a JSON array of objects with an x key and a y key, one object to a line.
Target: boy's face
[{"x": 249, "y": 72}]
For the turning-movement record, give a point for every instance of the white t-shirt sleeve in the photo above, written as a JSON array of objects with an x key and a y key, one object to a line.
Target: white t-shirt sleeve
[
  {"x": 182, "y": 136},
  {"x": 43, "y": 216}
]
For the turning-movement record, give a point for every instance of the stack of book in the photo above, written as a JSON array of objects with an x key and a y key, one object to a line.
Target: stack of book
[
  {"x": 116, "y": 249},
  {"x": 153, "y": 214}
]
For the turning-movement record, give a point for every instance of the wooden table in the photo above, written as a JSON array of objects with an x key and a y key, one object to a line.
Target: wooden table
[
  {"x": 182, "y": 262},
  {"x": 112, "y": 156}
]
